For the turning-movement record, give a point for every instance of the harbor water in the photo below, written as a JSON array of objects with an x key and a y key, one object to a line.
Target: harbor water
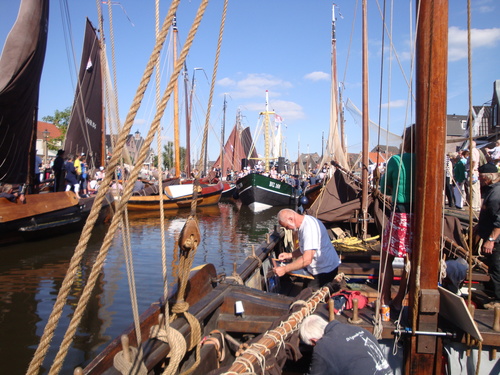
[{"x": 31, "y": 274}]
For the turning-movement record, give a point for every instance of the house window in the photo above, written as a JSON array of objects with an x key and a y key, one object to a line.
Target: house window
[{"x": 463, "y": 123}]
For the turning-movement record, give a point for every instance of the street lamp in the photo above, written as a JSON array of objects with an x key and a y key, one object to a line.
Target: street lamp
[{"x": 46, "y": 134}]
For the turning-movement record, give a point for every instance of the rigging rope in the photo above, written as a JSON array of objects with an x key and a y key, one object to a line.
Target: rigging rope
[
  {"x": 48, "y": 333},
  {"x": 212, "y": 86}
]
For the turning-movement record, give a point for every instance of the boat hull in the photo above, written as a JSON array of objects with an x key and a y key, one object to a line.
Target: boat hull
[
  {"x": 261, "y": 192},
  {"x": 210, "y": 195},
  {"x": 44, "y": 215}
]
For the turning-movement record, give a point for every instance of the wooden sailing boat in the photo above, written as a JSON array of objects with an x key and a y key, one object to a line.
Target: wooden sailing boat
[
  {"x": 335, "y": 146},
  {"x": 20, "y": 71},
  {"x": 236, "y": 152},
  {"x": 175, "y": 196},
  {"x": 260, "y": 191},
  {"x": 86, "y": 130},
  {"x": 230, "y": 324}
]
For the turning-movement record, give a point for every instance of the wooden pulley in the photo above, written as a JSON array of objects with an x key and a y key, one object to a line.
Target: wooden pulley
[{"x": 190, "y": 234}]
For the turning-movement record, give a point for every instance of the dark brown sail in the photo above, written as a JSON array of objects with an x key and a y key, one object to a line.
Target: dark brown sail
[
  {"x": 21, "y": 66},
  {"x": 238, "y": 146},
  {"x": 85, "y": 130}
]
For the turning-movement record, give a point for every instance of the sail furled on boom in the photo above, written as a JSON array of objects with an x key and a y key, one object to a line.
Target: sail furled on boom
[
  {"x": 21, "y": 65},
  {"x": 85, "y": 130},
  {"x": 334, "y": 149}
]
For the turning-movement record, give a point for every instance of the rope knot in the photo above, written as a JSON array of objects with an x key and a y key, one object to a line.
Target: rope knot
[{"x": 180, "y": 307}]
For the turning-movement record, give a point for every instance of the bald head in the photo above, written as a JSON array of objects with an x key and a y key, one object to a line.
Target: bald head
[{"x": 289, "y": 219}]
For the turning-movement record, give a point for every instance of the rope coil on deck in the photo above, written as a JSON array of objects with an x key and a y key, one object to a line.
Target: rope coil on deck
[{"x": 125, "y": 366}]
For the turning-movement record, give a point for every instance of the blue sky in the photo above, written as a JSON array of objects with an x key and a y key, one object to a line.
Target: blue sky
[{"x": 283, "y": 46}]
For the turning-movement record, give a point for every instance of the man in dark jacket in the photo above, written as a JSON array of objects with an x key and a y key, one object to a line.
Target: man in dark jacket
[
  {"x": 489, "y": 227},
  {"x": 342, "y": 348},
  {"x": 58, "y": 168}
]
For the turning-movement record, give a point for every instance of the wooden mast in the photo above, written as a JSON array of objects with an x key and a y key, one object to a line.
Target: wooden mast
[
  {"x": 187, "y": 162},
  {"x": 177, "y": 151},
  {"x": 364, "y": 170},
  {"x": 431, "y": 75},
  {"x": 223, "y": 129}
]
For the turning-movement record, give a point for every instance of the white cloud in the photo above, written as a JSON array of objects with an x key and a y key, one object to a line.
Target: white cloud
[
  {"x": 395, "y": 104},
  {"x": 255, "y": 85},
  {"x": 290, "y": 111},
  {"x": 227, "y": 82},
  {"x": 457, "y": 41},
  {"x": 317, "y": 76}
]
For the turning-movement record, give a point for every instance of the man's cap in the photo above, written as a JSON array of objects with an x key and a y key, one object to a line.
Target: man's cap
[
  {"x": 101, "y": 168},
  {"x": 488, "y": 168},
  {"x": 82, "y": 154}
]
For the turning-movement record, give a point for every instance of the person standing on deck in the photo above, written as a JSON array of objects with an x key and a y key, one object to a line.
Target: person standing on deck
[
  {"x": 59, "y": 172},
  {"x": 448, "y": 188},
  {"x": 71, "y": 176},
  {"x": 315, "y": 252},
  {"x": 488, "y": 227},
  {"x": 398, "y": 235},
  {"x": 475, "y": 190},
  {"x": 460, "y": 176}
]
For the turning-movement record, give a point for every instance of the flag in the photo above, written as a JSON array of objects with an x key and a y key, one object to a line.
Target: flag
[
  {"x": 89, "y": 66},
  {"x": 278, "y": 118},
  {"x": 477, "y": 122}
]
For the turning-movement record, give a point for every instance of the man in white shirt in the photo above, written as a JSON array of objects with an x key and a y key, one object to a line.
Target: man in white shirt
[{"x": 316, "y": 252}]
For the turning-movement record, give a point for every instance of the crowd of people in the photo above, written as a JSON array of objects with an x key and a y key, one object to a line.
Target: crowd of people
[
  {"x": 299, "y": 182},
  {"x": 462, "y": 183},
  {"x": 71, "y": 173}
]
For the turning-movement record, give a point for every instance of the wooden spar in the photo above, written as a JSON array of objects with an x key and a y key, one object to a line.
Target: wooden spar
[
  {"x": 223, "y": 129},
  {"x": 342, "y": 127},
  {"x": 272, "y": 338},
  {"x": 334, "y": 85},
  {"x": 431, "y": 75},
  {"x": 177, "y": 151},
  {"x": 364, "y": 170},
  {"x": 187, "y": 162}
]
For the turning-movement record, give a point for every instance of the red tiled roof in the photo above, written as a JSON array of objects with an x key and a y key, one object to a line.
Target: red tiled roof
[
  {"x": 53, "y": 130},
  {"x": 382, "y": 157}
]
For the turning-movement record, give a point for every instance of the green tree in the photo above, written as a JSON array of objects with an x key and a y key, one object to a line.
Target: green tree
[
  {"x": 168, "y": 156},
  {"x": 61, "y": 120}
]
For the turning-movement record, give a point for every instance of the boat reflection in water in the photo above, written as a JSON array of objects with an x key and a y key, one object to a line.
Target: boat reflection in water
[{"x": 30, "y": 278}]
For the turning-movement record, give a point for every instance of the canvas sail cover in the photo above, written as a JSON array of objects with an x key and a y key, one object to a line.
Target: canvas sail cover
[
  {"x": 21, "y": 66},
  {"x": 238, "y": 147},
  {"x": 339, "y": 201},
  {"x": 85, "y": 130}
]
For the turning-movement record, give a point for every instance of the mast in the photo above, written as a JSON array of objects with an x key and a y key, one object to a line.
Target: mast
[
  {"x": 267, "y": 129},
  {"x": 334, "y": 149},
  {"x": 177, "y": 151},
  {"x": 222, "y": 137},
  {"x": 342, "y": 123},
  {"x": 335, "y": 79},
  {"x": 431, "y": 77},
  {"x": 187, "y": 162},
  {"x": 364, "y": 171}
]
